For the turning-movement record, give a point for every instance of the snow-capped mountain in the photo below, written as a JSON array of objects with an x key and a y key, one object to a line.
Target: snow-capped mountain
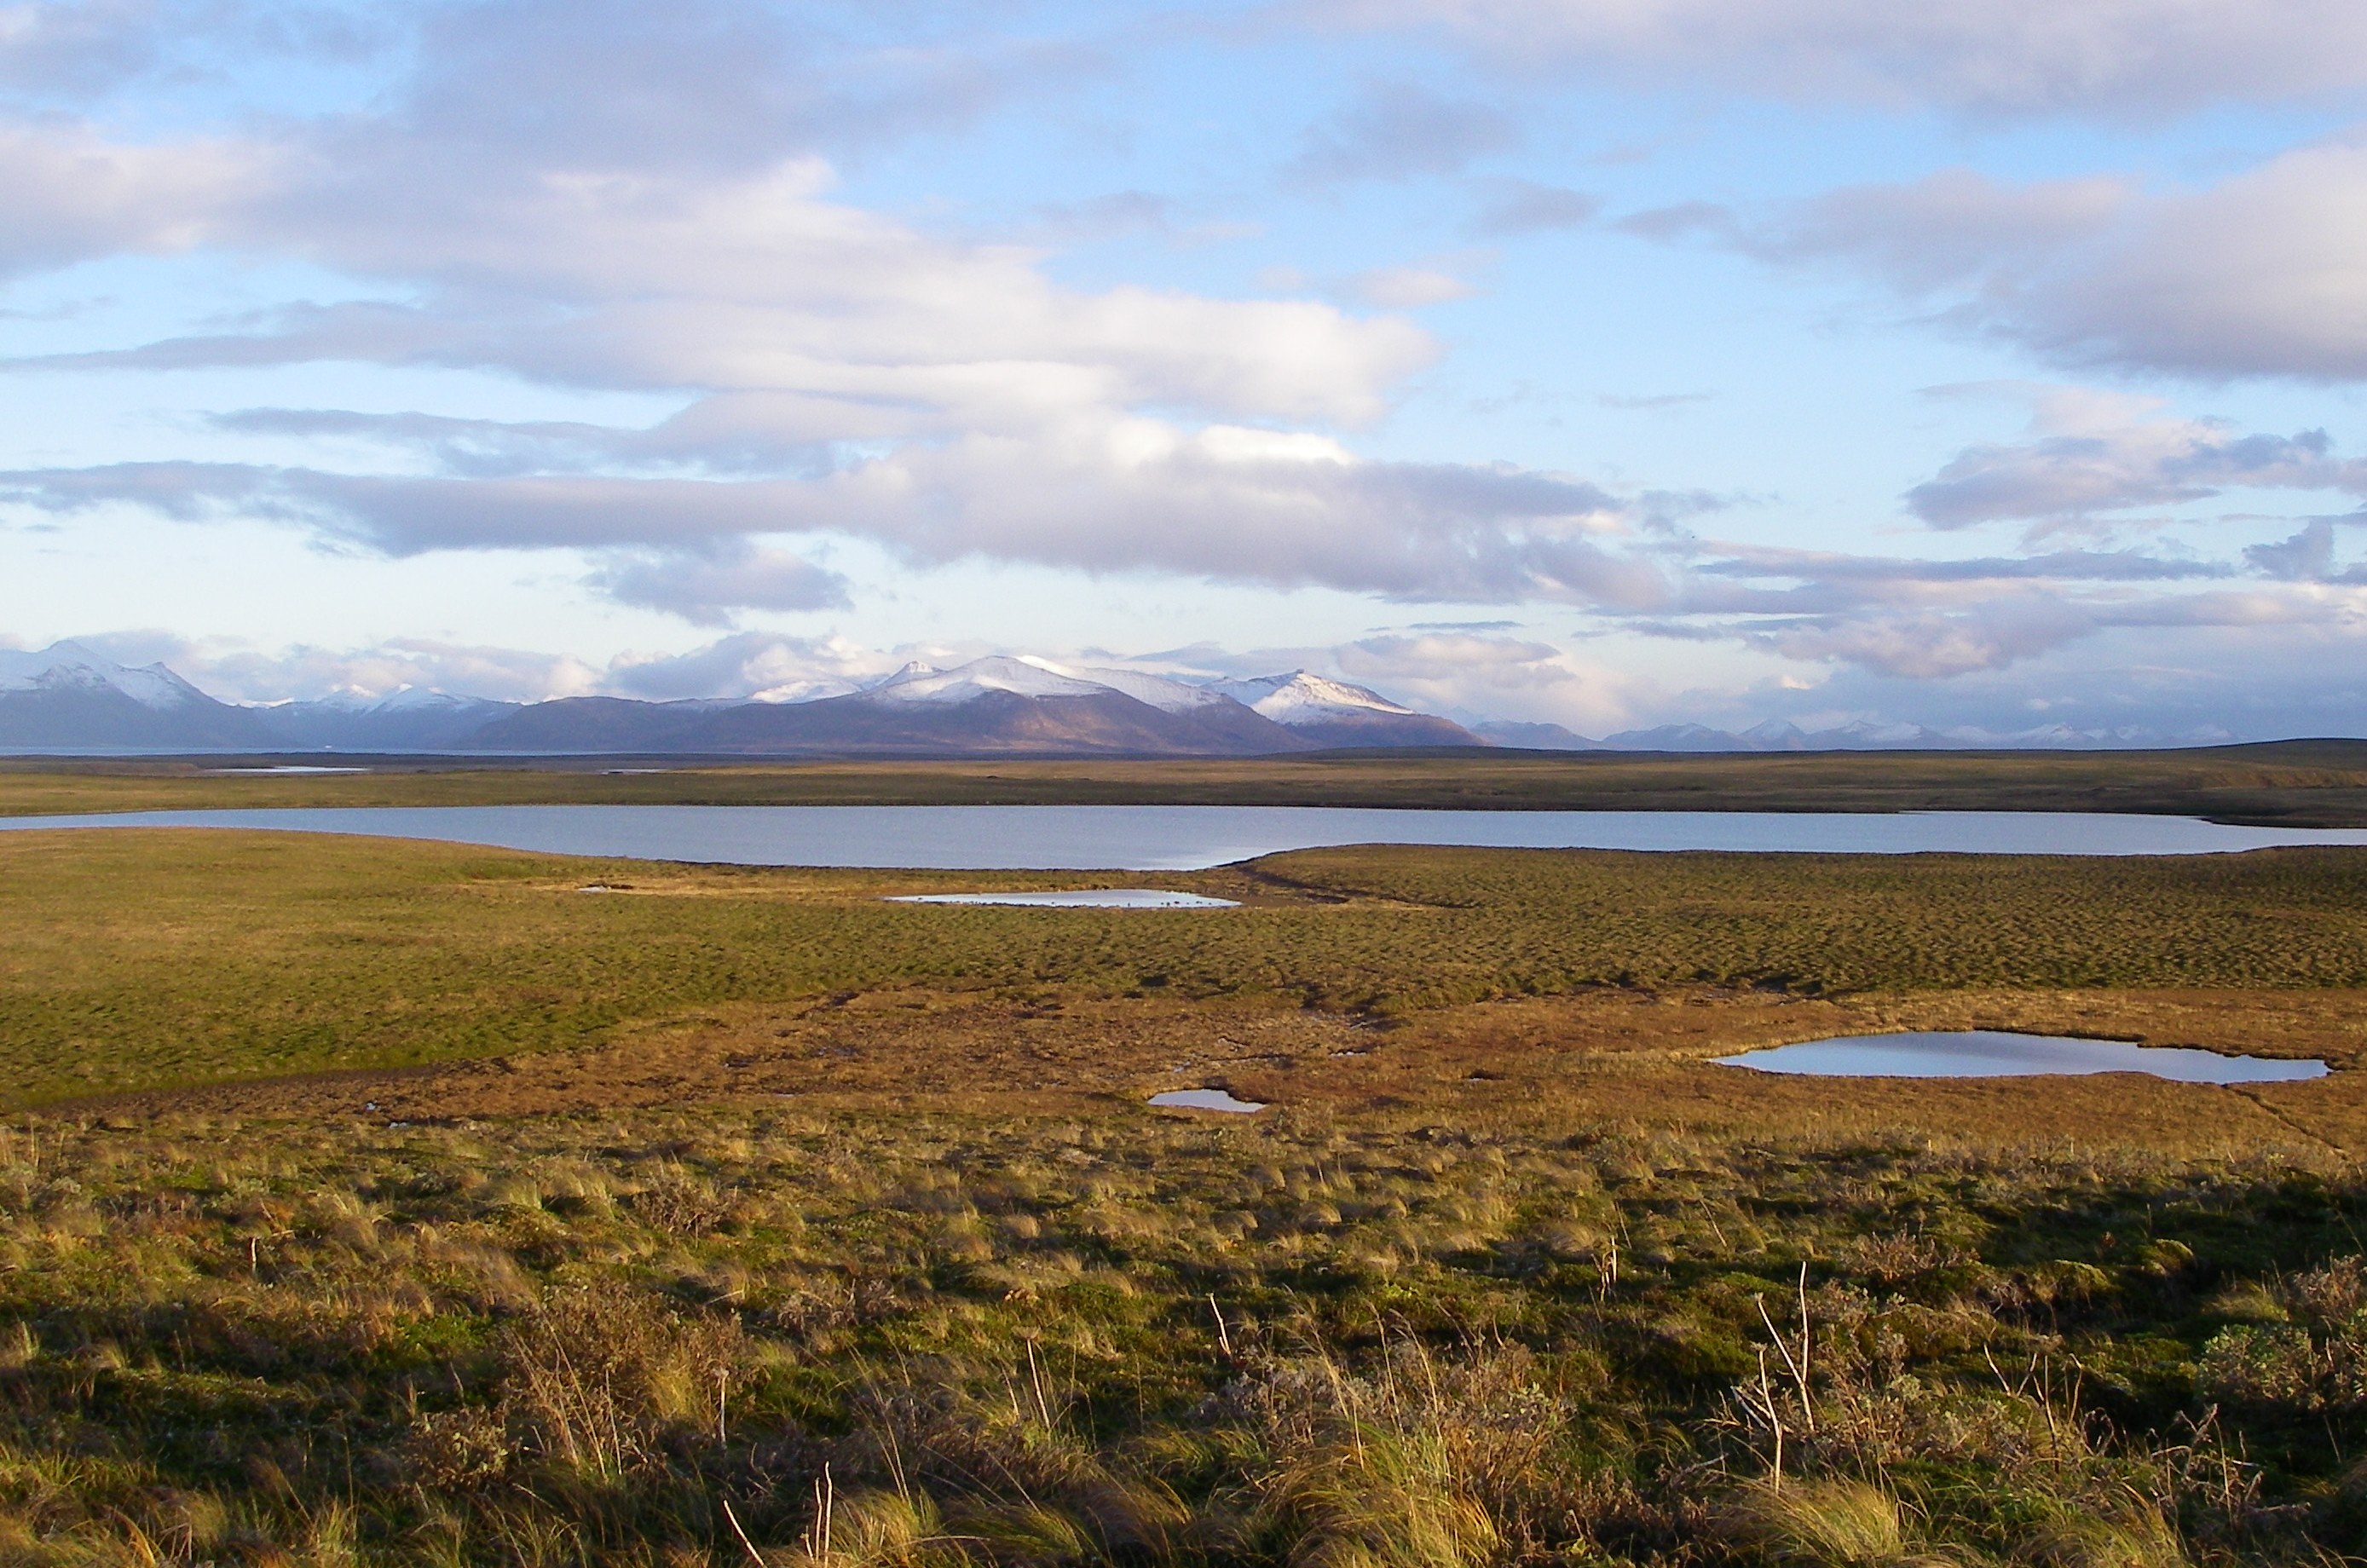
[
  {"x": 71, "y": 698},
  {"x": 997, "y": 706},
  {"x": 69, "y": 666},
  {"x": 1001, "y": 704},
  {"x": 918, "y": 682},
  {"x": 1335, "y": 714},
  {"x": 1158, "y": 691}
]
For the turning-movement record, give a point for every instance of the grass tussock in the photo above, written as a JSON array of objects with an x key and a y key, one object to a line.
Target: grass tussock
[{"x": 944, "y": 1341}]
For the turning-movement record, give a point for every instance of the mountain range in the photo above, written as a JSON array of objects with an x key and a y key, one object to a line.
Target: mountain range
[
  {"x": 69, "y": 699},
  {"x": 72, "y": 699}
]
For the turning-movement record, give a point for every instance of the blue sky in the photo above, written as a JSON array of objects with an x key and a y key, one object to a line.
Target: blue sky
[{"x": 1991, "y": 363}]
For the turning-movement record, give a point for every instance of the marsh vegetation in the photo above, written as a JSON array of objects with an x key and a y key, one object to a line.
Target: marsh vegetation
[
  {"x": 148, "y": 959},
  {"x": 743, "y": 1217},
  {"x": 845, "y": 1339}
]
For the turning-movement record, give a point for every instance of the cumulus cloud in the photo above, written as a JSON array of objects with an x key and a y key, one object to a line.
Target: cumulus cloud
[
  {"x": 237, "y": 671},
  {"x": 2307, "y": 555},
  {"x": 1226, "y": 502},
  {"x": 759, "y": 664},
  {"x": 70, "y": 194},
  {"x": 857, "y": 326},
  {"x": 2165, "y": 462},
  {"x": 1927, "y": 630},
  {"x": 1933, "y": 644},
  {"x": 2261, "y": 274},
  {"x": 2134, "y": 59},
  {"x": 1476, "y": 672}
]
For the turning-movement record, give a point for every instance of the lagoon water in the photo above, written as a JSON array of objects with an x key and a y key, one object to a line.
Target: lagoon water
[
  {"x": 1078, "y": 898},
  {"x": 1188, "y": 837},
  {"x": 1204, "y": 1099},
  {"x": 1998, "y": 1054}
]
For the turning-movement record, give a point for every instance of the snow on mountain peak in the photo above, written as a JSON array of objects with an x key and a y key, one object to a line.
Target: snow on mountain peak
[
  {"x": 69, "y": 664},
  {"x": 918, "y": 682},
  {"x": 1300, "y": 697},
  {"x": 1158, "y": 691},
  {"x": 410, "y": 699}
]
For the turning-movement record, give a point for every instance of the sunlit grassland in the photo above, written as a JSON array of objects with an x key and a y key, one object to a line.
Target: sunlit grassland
[
  {"x": 130, "y": 960},
  {"x": 2321, "y": 782},
  {"x": 907, "y": 1276},
  {"x": 849, "y": 1340}
]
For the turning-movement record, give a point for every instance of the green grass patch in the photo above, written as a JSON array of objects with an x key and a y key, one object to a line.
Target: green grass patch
[
  {"x": 149, "y": 958},
  {"x": 2301, "y": 782}
]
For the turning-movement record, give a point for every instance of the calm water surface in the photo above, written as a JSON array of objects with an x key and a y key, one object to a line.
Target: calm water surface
[
  {"x": 1204, "y": 1099},
  {"x": 1188, "y": 838},
  {"x": 1996, "y": 1054},
  {"x": 1078, "y": 898}
]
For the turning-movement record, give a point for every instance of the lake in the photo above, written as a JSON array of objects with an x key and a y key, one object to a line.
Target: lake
[
  {"x": 1190, "y": 837},
  {"x": 2000, "y": 1053},
  {"x": 1206, "y": 1100},
  {"x": 1077, "y": 898}
]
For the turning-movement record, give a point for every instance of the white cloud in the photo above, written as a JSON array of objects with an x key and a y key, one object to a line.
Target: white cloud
[
  {"x": 238, "y": 672},
  {"x": 2080, "y": 473},
  {"x": 2262, "y": 273},
  {"x": 760, "y": 664},
  {"x": 1228, "y": 503},
  {"x": 69, "y": 194},
  {"x": 2135, "y": 59}
]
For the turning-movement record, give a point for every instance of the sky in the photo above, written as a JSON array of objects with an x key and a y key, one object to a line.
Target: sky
[{"x": 1993, "y": 364}]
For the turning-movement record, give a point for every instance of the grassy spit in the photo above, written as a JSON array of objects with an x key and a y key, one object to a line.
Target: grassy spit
[
  {"x": 2298, "y": 783},
  {"x": 749, "y": 1220}
]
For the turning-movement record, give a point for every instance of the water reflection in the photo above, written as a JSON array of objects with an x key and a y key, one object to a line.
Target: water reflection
[
  {"x": 1998, "y": 1054},
  {"x": 1078, "y": 898},
  {"x": 1204, "y": 1099},
  {"x": 1188, "y": 837}
]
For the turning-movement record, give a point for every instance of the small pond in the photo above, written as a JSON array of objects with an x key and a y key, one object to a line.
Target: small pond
[
  {"x": 1204, "y": 1099},
  {"x": 1998, "y": 1054},
  {"x": 1078, "y": 898}
]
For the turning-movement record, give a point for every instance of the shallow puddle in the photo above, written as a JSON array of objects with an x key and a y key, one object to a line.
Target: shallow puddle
[
  {"x": 1998, "y": 1054},
  {"x": 1079, "y": 898},
  {"x": 1204, "y": 1099}
]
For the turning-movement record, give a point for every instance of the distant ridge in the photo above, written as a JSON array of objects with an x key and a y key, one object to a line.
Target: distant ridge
[
  {"x": 70, "y": 699},
  {"x": 1335, "y": 714}
]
